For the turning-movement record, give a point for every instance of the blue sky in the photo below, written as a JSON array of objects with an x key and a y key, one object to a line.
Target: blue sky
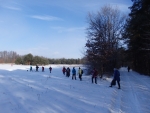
[{"x": 49, "y": 28}]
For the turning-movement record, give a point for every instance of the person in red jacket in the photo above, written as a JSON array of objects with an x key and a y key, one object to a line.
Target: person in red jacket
[
  {"x": 42, "y": 68},
  {"x": 94, "y": 75},
  {"x": 64, "y": 70}
]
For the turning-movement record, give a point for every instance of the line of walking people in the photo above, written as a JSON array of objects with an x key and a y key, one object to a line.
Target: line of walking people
[
  {"x": 67, "y": 71},
  {"x": 94, "y": 73},
  {"x": 37, "y": 67}
]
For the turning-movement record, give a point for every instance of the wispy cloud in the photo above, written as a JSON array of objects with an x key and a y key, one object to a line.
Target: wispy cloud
[
  {"x": 13, "y": 8},
  {"x": 72, "y": 29},
  {"x": 46, "y": 17}
]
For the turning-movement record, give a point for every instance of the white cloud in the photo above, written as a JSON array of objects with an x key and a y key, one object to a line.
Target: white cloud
[{"x": 46, "y": 17}]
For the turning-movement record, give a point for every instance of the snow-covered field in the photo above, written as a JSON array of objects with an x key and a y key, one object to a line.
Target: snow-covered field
[{"x": 22, "y": 91}]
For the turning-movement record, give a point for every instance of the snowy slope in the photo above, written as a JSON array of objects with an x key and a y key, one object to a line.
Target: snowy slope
[{"x": 22, "y": 91}]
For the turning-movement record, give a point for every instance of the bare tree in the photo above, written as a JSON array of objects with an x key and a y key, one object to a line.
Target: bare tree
[
  {"x": 8, "y": 56},
  {"x": 103, "y": 36}
]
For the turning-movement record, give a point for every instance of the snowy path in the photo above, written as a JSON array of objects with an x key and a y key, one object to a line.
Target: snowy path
[
  {"x": 134, "y": 95},
  {"x": 42, "y": 92}
]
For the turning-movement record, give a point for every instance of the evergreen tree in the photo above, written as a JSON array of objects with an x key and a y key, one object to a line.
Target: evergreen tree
[
  {"x": 18, "y": 60},
  {"x": 137, "y": 34},
  {"x": 28, "y": 59}
]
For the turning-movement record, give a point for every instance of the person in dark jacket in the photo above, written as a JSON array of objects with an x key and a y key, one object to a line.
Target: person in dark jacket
[
  {"x": 73, "y": 73},
  {"x": 50, "y": 69},
  {"x": 116, "y": 78},
  {"x": 128, "y": 68},
  {"x": 37, "y": 67},
  {"x": 68, "y": 72},
  {"x": 94, "y": 75}
]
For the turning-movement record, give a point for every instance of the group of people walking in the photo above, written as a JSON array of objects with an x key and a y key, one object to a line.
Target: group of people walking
[
  {"x": 37, "y": 67},
  {"x": 67, "y": 71}
]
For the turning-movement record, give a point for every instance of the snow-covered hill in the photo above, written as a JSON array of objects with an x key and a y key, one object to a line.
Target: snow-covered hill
[{"x": 22, "y": 91}]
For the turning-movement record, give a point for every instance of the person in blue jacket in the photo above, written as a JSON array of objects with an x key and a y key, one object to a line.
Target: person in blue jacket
[
  {"x": 30, "y": 67},
  {"x": 116, "y": 78},
  {"x": 73, "y": 73}
]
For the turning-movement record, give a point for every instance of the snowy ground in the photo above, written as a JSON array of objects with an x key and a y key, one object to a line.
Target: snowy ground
[{"x": 22, "y": 91}]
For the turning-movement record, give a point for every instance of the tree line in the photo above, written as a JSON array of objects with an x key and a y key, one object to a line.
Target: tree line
[
  {"x": 115, "y": 39},
  {"x": 8, "y": 56},
  {"x": 29, "y": 59}
]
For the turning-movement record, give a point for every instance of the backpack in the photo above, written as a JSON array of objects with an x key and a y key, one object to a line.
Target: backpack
[{"x": 82, "y": 71}]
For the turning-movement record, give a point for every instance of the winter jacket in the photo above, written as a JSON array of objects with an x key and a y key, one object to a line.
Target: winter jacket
[
  {"x": 95, "y": 73},
  {"x": 73, "y": 71},
  {"x": 50, "y": 68},
  {"x": 80, "y": 71},
  {"x": 64, "y": 69},
  {"x": 30, "y": 68},
  {"x": 117, "y": 75},
  {"x": 68, "y": 70}
]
